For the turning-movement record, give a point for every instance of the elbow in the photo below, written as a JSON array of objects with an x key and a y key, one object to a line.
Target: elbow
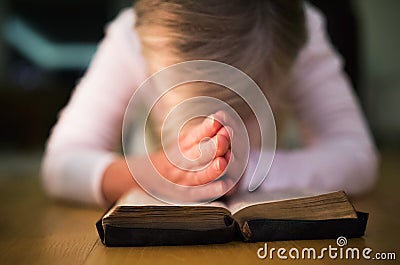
[
  {"x": 364, "y": 172},
  {"x": 353, "y": 169},
  {"x": 48, "y": 177},
  {"x": 52, "y": 173}
]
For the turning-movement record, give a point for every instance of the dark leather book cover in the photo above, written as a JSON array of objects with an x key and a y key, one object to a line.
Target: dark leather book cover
[
  {"x": 274, "y": 230},
  {"x": 261, "y": 231},
  {"x": 114, "y": 236}
]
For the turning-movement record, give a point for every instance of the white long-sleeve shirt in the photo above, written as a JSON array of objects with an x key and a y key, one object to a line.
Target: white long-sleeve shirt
[{"x": 87, "y": 136}]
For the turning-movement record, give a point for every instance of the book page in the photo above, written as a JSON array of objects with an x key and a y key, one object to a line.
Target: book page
[
  {"x": 135, "y": 197},
  {"x": 138, "y": 197},
  {"x": 137, "y": 209},
  {"x": 291, "y": 205},
  {"x": 246, "y": 198}
]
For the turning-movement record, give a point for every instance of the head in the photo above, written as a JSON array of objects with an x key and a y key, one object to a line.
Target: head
[{"x": 259, "y": 37}]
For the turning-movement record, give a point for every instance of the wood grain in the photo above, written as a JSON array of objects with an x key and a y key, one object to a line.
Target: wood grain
[{"x": 37, "y": 230}]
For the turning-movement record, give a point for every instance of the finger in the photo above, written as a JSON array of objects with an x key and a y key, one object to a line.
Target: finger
[
  {"x": 226, "y": 131},
  {"x": 211, "y": 173},
  {"x": 195, "y": 178},
  {"x": 211, "y": 191},
  {"x": 221, "y": 143},
  {"x": 228, "y": 156},
  {"x": 227, "y": 121},
  {"x": 224, "y": 118},
  {"x": 207, "y": 129}
]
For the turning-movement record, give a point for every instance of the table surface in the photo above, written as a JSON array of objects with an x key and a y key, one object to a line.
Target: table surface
[{"x": 37, "y": 230}]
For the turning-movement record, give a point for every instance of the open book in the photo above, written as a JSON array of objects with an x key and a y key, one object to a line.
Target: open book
[{"x": 138, "y": 219}]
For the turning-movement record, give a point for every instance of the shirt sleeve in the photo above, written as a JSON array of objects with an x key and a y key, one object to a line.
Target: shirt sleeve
[
  {"x": 87, "y": 135},
  {"x": 339, "y": 153}
]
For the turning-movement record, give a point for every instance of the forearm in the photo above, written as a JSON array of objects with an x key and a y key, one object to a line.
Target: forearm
[
  {"x": 351, "y": 167},
  {"x": 338, "y": 152},
  {"x": 75, "y": 174},
  {"x": 116, "y": 180},
  {"x": 86, "y": 138}
]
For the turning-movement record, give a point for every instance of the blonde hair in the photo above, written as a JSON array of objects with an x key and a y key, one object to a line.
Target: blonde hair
[{"x": 260, "y": 37}]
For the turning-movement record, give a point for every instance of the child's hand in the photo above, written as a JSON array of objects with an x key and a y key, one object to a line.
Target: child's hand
[
  {"x": 201, "y": 157},
  {"x": 210, "y": 136}
]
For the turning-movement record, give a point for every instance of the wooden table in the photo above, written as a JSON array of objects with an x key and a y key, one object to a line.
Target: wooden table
[{"x": 37, "y": 230}]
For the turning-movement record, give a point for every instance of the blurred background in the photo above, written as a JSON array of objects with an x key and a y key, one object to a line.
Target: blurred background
[{"x": 46, "y": 46}]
